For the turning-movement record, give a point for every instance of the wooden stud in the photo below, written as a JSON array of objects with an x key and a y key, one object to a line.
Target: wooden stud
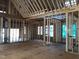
[
  {"x": 63, "y": 2},
  {"x": 24, "y": 10},
  {"x": 41, "y": 5},
  {"x": 37, "y": 5},
  {"x": 31, "y": 5},
  {"x": 17, "y": 6},
  {"x": 45, "y": 4},
  {"x": 44, "y": 30},
  {"x": 1, "y": 30},
  {"x": 49, "y": 5},
  {"x": 66, "y": 32},
  {"x": 9, "y": 19},
  {"x": 60, "y": 3},
  {"x": 78, "y": 31},
  {"x": 57, "y": 4},
  {"x": 26, "y": 6},
  {"x": 53, "y": 4}
]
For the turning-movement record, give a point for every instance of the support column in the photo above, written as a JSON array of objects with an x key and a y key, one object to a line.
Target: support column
[
  {"x": 20, "y": 34},
  {"x": 16, "y": 27},
  {"x": 54, "y": 38},
  {"x": 28, "y": 31},
  {"x": 44, "y": 33},
  {"x": 9, "y": 20},
  {"x": 1, "y": 30},
  {"x": 49, "y": 31},
  {"x": 66, "y": 32},
  {"x": 9, "y": 27},
  {"x": 23, "y": 30},
  {"x": 78, "y": 31}
]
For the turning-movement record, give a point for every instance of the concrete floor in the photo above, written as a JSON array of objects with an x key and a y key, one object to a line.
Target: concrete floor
[{"x": 34, "y": 50}]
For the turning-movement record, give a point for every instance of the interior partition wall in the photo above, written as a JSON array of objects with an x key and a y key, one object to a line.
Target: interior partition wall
[
  {"x": 13, "y": 30},
  {"x": 72, "y": 37},
  {"x": 71, "y": 31},
  {"x": 48, "y": 30}
]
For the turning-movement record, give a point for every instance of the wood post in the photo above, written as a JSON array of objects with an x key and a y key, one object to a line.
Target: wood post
[
  {"x": 44, "y": 39},
  {"x": 66, "y": 32}
]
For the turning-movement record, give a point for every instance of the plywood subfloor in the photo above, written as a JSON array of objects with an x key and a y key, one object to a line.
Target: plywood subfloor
[{"x": 34, "y": 50}]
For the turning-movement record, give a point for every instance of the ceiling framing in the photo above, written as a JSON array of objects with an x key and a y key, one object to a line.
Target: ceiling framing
[{"x": 30, "y": 8}]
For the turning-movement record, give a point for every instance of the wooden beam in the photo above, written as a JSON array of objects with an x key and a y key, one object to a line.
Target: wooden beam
[
  {"x": 41, "y": 5},
  {"x": 49, "y": 5},
  {"x": 67, "y": 32},
  {"x": 27, "y": 8},
  {"x": 63, "y": 2},
  {"x": 45, "y": 4},
  {"x": 17, "y": 6},
  {"x": 24, "y": 10},
  {"x": 58, "y": 4},
  {"x": 10, "y": 16},
  {"x": 55, "y": 12},
  {"x": 35, "y": 6},
  {"x": 53, "y": 4},
  {"x": 31, "y": 5},
  {"x": 26, "y": 5}
]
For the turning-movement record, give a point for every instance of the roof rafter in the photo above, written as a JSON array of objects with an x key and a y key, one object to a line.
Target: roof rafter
[
  {"x": 26, "y": 5},
  {"x": 45, "y": 5},
  {"x": 41, "y": 4},
  {"x": 53, "y": 4},
  {"x": 31, "y": 5},
  {"x": 20, "y": 1},
  {"x": 49, "y": 5},
  {"x": 58, "y": 4},
  {"x": 27, "y": 8},
  {"x": 37, "y": 5},
  {"x": 17, "y": 6}
]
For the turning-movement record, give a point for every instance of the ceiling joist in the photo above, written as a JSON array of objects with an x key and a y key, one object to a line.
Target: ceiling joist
[{"x": 30, "y": 8}]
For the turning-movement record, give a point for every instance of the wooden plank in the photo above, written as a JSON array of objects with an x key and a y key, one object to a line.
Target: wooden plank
[
  {"x": 44, "y": 39},
  {"x": 37, "y": 5},
  {"x": 31, "y": 5},
  {"x": 45, "y": 4},
  {"x": 10, "y": 16},
  {"x": 55, "y": 12},
  {"x": 60, "y": 3},
  {"x": 23, "y": 8},
  {"x": 27, "y": 8},
  {"x": 63, "y": 2},
  {"x": 49, "y": 5},
  {"x": 17, "y": 6},
  {"x": 26, "y": 5},
  {"x": 57, "y": 4},
  {"x": 67, "y": 32},
  {"x": 41, "y": 4},
  {"x": 53, "y": 4}
]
